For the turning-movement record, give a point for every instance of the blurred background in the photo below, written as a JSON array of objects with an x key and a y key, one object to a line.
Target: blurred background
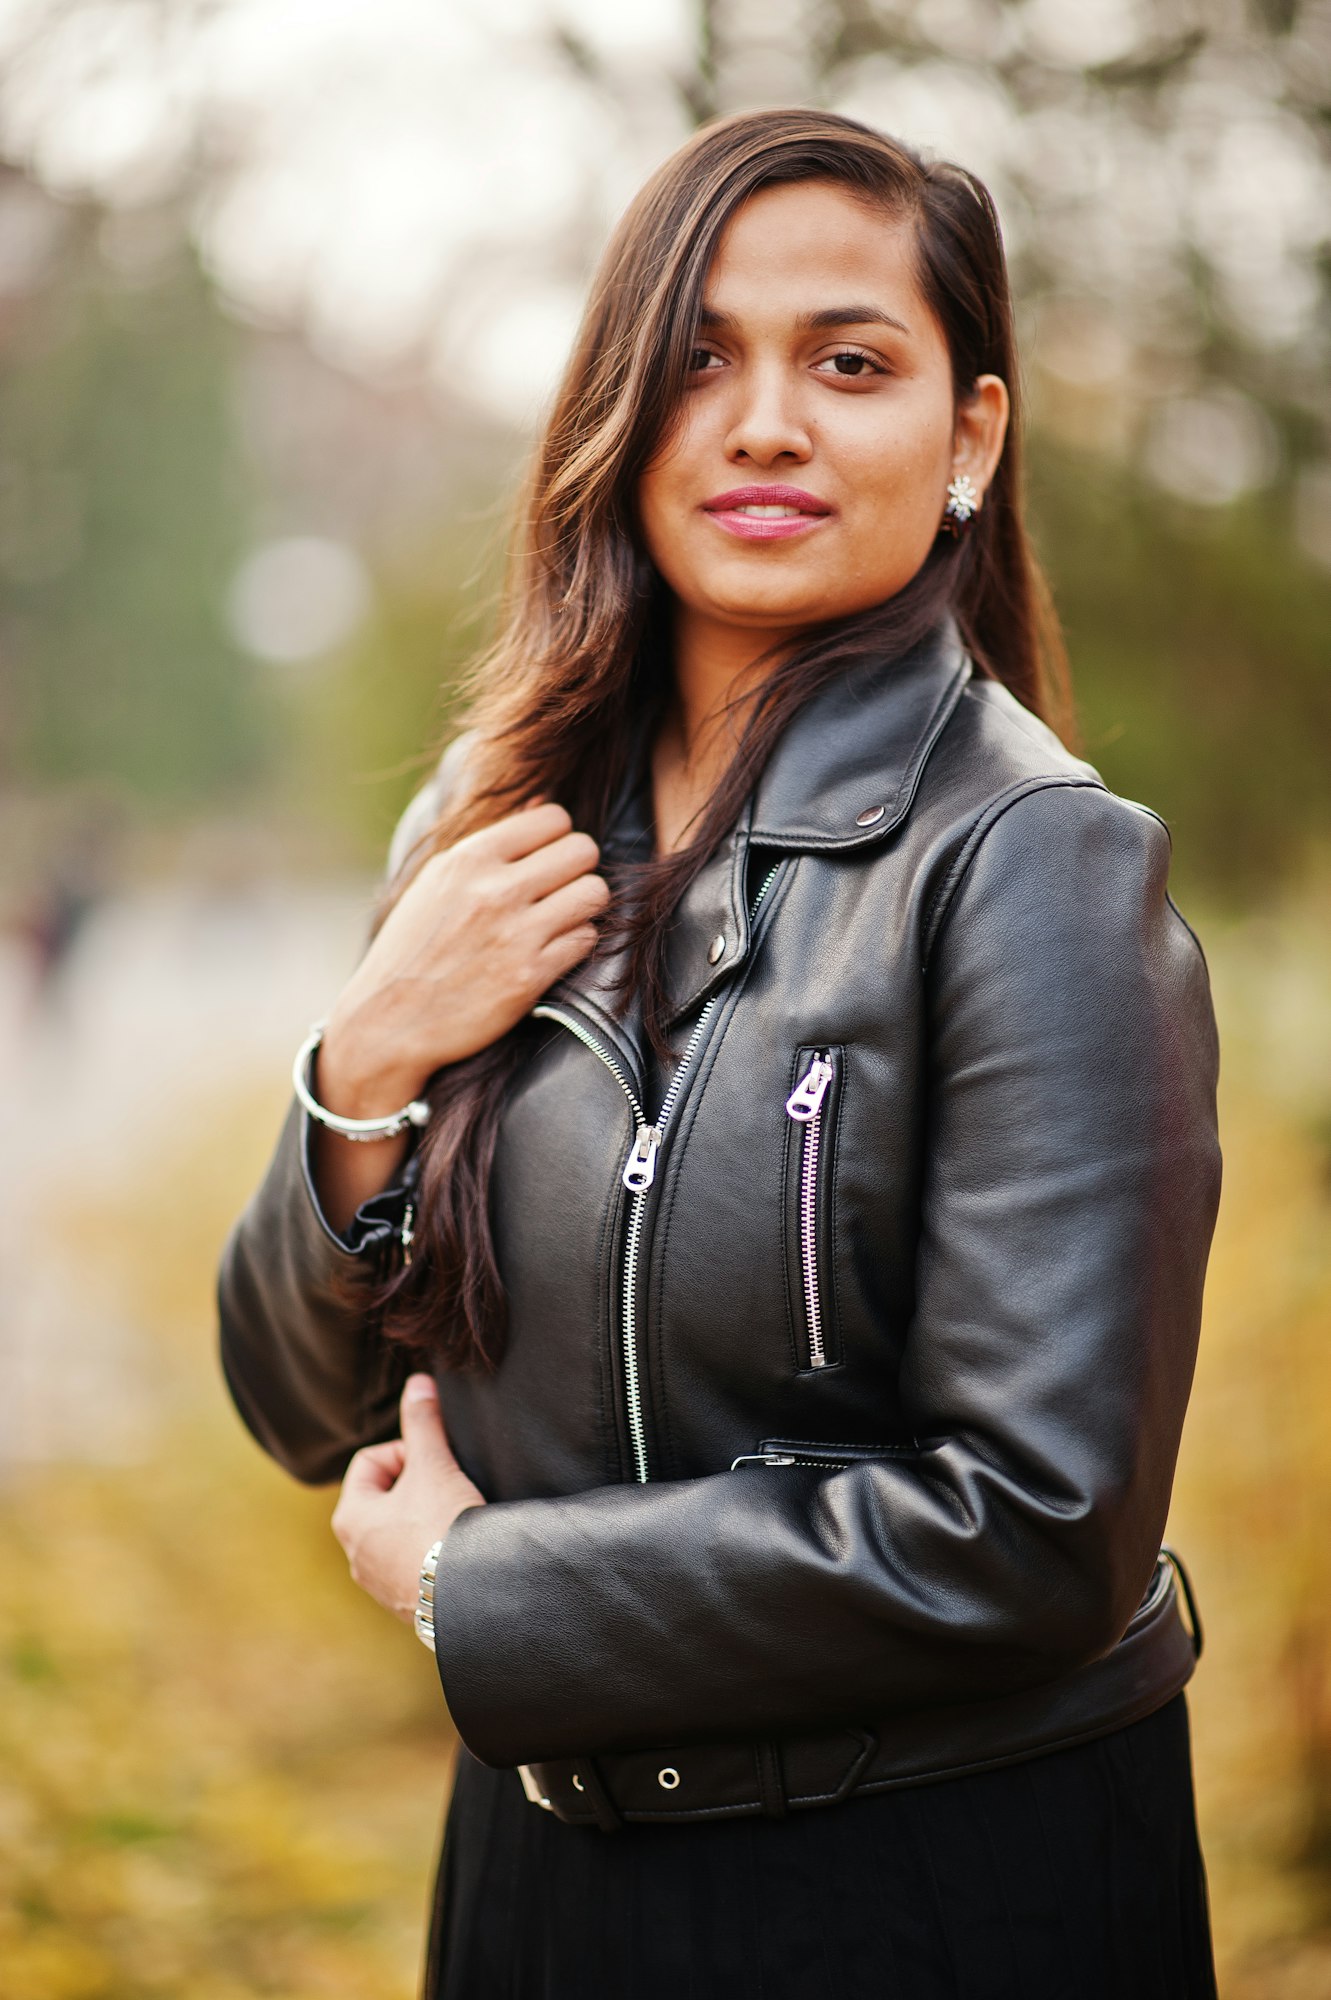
[{"x": 283, "y": 284}]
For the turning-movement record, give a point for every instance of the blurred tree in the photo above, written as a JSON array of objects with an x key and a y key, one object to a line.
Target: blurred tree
[
  {"x": 123, "y": 501},
  {"x": 1200, "y": 658}
]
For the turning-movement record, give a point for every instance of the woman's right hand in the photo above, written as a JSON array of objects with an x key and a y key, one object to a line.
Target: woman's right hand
[{"x": 471, "y": 944}]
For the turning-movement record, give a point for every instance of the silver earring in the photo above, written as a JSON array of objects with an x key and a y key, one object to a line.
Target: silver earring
[{"x": 963, "y": 502}]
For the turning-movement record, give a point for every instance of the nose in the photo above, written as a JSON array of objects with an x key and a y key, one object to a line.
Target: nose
[{"x": 766, "y": 424}]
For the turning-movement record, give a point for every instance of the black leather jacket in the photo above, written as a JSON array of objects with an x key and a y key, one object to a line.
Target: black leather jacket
[{"x": 835, "y": 1452}]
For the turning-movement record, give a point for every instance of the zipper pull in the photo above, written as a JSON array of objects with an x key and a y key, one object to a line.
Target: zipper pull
[
  {"x": 640, "y": 1169},
  {"x": 805, "y": 1100},
  {"x": 407, "y": 1234}
]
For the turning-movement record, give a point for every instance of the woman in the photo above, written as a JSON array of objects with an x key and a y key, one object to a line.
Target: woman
[{"x": 806, "y": 1229}]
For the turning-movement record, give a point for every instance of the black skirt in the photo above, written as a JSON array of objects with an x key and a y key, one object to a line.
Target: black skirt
[{"x": 1072, "y": 1876}]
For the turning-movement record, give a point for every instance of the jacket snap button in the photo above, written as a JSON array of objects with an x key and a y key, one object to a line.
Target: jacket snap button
[
  {"x": 577, "y": 1782},
  {"x": 716, "y": 950},
  {"x": 870, "y": 816},
  {"x": 668, "y": 1778}
]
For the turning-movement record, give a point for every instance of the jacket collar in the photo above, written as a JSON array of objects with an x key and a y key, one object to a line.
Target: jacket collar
[
  {"x": 844, "y": 773},
  {"x": 842, "y": 777}
]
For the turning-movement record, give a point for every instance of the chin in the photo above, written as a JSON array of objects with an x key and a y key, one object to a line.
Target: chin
[
  {"x": 772, "y": 617},
  {"x": 750, "y": 602}
]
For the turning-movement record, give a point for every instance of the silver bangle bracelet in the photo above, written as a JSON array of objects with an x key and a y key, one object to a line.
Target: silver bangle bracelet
[
  {"x": 416, "y": 1113},
  {"x": 425, "y": 1602}
]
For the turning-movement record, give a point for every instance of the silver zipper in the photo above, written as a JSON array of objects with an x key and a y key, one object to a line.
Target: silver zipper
[
  {"x": 824, "y": 1457},
  {"x": 638, "y": 1174},
  {"x": 545, "y": 1012},
  {"x": 819, "y": 1462},
  {"x": 805, "y": 1106}
]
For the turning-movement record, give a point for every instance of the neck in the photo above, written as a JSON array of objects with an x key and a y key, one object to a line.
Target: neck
[{"x": 717, "y": 671}]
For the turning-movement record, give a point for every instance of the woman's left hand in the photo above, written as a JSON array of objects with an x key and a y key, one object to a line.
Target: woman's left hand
[{"x": 398, "y": 1498}]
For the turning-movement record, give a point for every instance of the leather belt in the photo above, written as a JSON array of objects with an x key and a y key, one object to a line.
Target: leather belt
[
  {"x": 702, "y": 1781},
  {"x": 1150, "y": 1664}
]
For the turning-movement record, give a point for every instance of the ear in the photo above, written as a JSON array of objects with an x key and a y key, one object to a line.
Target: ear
[{"x": 981, "y": 427}]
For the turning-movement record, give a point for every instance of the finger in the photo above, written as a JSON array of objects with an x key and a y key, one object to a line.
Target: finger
[
  {"x": 520, "y": 833},
  {"x": 550, "y": 867},
  {"x": 423, "y": 1436},
  {"x": 566, "y": 951},
  {"x": 376, "y": 1468},
  {"x": 570, "y": 908}
]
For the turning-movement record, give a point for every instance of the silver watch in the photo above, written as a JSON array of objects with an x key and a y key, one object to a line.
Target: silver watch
[{"x": 425, "y": 1601}]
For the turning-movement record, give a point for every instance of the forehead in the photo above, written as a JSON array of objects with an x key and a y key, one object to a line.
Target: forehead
[{"x": 809, "y": 244}]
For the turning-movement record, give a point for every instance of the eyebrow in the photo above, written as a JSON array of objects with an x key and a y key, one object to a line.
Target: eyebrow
[{"x": 815, "y": 322}]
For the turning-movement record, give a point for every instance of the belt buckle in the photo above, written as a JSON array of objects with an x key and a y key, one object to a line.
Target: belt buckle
[{"x": 532, "y": 1789}]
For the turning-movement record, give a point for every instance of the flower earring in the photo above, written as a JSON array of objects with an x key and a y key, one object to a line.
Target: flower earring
[{"x": 963, "y": 502}]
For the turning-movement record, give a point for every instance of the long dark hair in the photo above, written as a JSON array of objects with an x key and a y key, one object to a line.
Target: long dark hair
[{"x": 557, "y": 700}]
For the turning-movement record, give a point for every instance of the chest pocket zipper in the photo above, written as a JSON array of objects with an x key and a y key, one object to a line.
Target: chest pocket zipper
[
  {"x": 824, "y": 1457},
  {"x": 811, "y": 1107}
]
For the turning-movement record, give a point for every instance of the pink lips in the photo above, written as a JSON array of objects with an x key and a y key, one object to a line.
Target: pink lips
[{"x": 726, "y": 511}]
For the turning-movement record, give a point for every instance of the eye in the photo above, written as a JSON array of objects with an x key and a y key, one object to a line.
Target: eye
[
  {"x": 701, "y": 361},
  {"x": 852, "y": 365}
]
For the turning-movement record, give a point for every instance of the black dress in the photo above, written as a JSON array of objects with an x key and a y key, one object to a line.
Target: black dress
[{"x": 1075, "y": 1875}]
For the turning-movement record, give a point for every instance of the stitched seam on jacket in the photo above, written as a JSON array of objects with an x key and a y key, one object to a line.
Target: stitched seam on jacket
[
  {"x": 843, "y": 1444},
  {"x": 988, "y": 818},
  {"x": 1201, "y": 952}
]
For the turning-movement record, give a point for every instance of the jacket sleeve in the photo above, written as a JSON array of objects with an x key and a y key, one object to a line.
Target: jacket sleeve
[
  {"x": 311, "y": 1381},
  {"x": 1071, "y": 1183}
]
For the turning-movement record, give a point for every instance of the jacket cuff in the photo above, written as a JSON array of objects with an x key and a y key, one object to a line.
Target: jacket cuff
[
  {"x": 378, "y": 1221},
  {"x": 310, "y": 1379},
  {"x": 474, "y": 1649}
]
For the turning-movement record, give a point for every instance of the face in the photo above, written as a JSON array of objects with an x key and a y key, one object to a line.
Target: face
[{"x": 808, "y": 472}]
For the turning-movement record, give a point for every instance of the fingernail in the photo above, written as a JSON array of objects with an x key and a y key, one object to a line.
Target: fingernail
[{"x": 420, "y": 1388}]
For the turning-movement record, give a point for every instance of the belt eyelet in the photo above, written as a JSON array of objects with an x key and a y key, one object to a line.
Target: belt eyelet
[{"x": 668, "y": 1778}]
